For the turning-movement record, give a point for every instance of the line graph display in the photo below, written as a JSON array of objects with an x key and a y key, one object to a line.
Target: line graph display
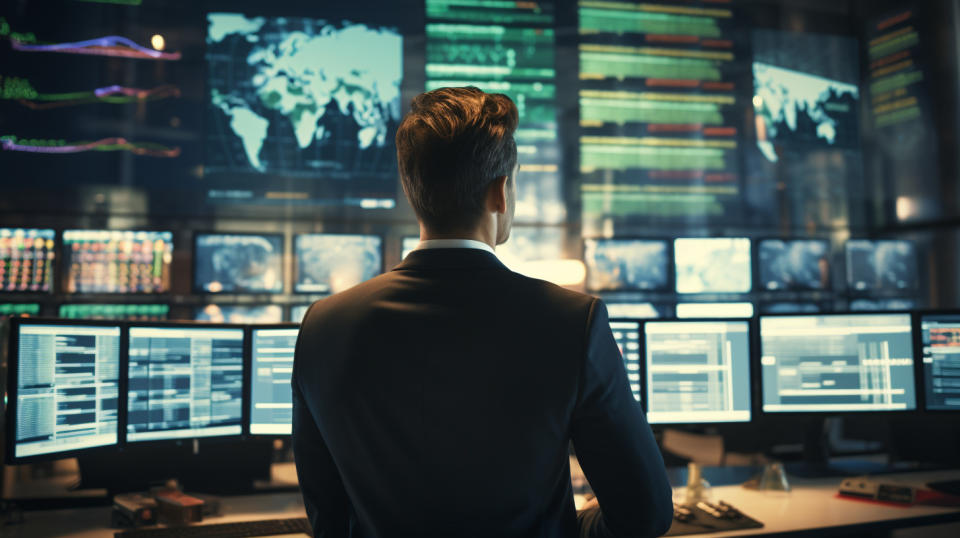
[
  {"x": 659, "y": 130},
  {"x": 113, "y": 45},
  {"x": 507, "y": 48},
  {"x": 286, "y": 100},
  {"x": 21, "y": 90},
  {"x": 59, "y": 146}
]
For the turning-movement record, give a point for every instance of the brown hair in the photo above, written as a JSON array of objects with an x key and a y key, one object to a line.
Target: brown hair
[{"x": 451, "y": 145}]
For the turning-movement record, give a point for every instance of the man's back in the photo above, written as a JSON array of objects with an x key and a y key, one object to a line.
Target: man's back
[{"x": 439, "y": 400}]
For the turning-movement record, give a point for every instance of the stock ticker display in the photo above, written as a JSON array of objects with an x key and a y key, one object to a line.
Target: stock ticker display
[
  {"x": 113, "y": 261},
  {"x": 185, "y": 382},
  {"x": 26, "y": 260}
]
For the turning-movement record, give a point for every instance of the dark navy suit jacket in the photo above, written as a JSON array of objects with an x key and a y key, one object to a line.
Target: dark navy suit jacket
[{"x": 440, "y": 398}]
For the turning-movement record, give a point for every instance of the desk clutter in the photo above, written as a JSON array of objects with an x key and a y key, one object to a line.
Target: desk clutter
[{"x": 704, "y": 517}]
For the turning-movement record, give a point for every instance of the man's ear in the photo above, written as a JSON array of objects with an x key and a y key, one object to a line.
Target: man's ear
[{"x": 497, "y": 195}]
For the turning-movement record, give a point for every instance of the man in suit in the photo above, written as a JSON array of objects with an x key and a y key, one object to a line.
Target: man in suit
[{"x": 440, "y": 398}]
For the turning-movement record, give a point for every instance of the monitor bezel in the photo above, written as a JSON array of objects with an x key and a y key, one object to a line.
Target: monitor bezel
[
  {"x": 248, "y": 380},
  {"x": 13, "y": 360},
  {"x": 195, "y": 284},
  {"x": 758, "y": 369},
  {"x": 65, "y": 274},
  {"x": 54, "y": 269},
  {"x": 669, "y": 269},
  {"x": 751, "y": 330},
  {"x": 750, "y": 263},
  {"x": 125, "y": 401},
  {"x": 295, "y": 256},
  {"x": 881, "y": 293},
  {"x": 921, "y": 370},
  {"x": 760, "y": 286}
]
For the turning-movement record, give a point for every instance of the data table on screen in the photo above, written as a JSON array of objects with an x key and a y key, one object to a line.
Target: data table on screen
[
  {"x": 184, "y": 382},
  {"x": 697, "y": 371},
  {"x": 837, "y": 363},
  {"x": 940, "y": 334},
  {"x": 67, "y": 388},
  {"x": 271, "y": 400}
]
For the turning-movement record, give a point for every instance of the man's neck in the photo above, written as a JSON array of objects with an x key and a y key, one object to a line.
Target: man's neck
[{"x": 480, "y": 235}]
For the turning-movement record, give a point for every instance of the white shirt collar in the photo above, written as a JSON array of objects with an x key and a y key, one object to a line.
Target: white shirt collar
[{"x": 455, "y": 243}]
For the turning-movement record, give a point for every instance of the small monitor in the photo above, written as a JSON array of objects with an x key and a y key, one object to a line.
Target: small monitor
[
  {"x": 65, "y": 381},
  {"x": 297, "y": 312},
  {"x": 26, "y": 260},
  {"x": 626, "y": 264},
  {"x": 881, "y": 305},
  {"x": 796, "y": 264},
  {"x": 697, "y": 371},
  {"x": 627, "y": 336},
  {"x": 636, "y": 310},
  {"x": 238, "y": 263},
  {"x": 712, "y": 265},
  {"x": 941, "y": 361},
  {"x": 131, "y": 312},
  {"x": 884, "y": 265},
  {"x": 214, "y": 313},
  {"x": 331, "y": 263},
  {"x": 185, "y": 382},
  {"x": 714, "y": 310},
  {"x": 409, "y": 245},
  {"x": 114, "y": 261},
  {"x": 26, "y": 310},
  {"x": 271, "y": 402},
  {"x": 837, "y": 363}
]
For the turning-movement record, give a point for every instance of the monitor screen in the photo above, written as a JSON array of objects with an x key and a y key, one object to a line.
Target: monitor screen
[
  {"x": 941, "y": 361},
  {"x": 881, "y": 265},
  {"x": 26, "y": 260},
  {"x": 782, "y": 307},
  {"x": 627, "y": 336},
  {"x": 8, "y": 310},
  {"x": 67, "y": 388},
  {"x": 331, "y": 263},
  {"x": 881, "y": 305},
  {"x": 185, "y": 382},
  {"x": 636, "y": 310},
  {"x": 697, "y": 371},
  {"x": 714, "y": 310},
  {"x": 132, "y": 312},
  {"x": 409, "y": 244},
  {"x": 214, "y": 313},
  {"x": 712, "y": 265},
  {"x": 238, "y": 263},
  {"x": 798, "y": 264},
  {"x": 271, "y": 403},
  {"x": 837, "y": 363},
  {"x": 113, "y": 261},
  {"x": 626, "y": 264},
  {"x": 284, "y": 101}
]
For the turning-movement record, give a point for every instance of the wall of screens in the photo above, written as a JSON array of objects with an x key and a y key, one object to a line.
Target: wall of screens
[{"x": 650, "y": 133}]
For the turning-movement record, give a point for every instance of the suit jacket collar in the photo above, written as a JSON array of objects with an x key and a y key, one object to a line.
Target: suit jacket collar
[{"x": 450, "y": 258}]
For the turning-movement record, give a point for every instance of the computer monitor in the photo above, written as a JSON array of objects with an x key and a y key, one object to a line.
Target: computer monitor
[
  {"x": 712, "y": 265},
  {"x": 64, "y": 385},
  {"x": 26, "y": 260},
  {"x": 238, "y": 263},
  {"x": 214, "y": 313},
  {"x": 881, "y": 265},
  {"x": 697, "y": 371},
  {"x": 9, "y": 310},
  {"x": 837, "y": 363},
  {"x": 714, "y": 310},
  {"x": 409, "y": 244},
  {"x": 940, "y": 345},
  {"x": 627, "y": 335},
  {"x": 185, "y": 381},
  {"x": 131, "y": 312},
  {"x": 626, "y": 264},
  {"x": 330, "y": 263},
  {"x": 114, "y": 261},
  {"x": 795, "y": 264},
  {"x": 271, "y": 402},
  {"x": 638, "y": 310}
]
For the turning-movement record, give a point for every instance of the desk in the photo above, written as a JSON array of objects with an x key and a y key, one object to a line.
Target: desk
[{"x": 812, "y": 509}]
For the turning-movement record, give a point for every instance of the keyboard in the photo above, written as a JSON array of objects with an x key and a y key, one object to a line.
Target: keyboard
[{"x": 266, "y": 527}]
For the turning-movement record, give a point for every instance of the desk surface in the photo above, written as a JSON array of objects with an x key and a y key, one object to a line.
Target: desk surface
[{"x": 811, "y": 507}]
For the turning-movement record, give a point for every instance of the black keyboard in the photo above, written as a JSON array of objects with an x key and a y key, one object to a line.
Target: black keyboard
[{"x": 264, "y": 527}]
